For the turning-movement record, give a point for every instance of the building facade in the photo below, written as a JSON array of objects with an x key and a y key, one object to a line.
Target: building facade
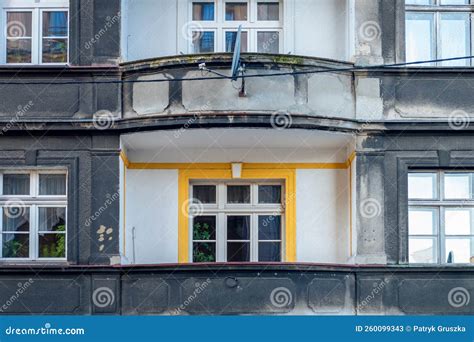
[{"x": 137, "y": 177}]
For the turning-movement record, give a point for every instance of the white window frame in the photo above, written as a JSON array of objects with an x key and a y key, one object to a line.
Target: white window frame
[
  {"x": 37, "y": 8},
  {"x": 34, "y": 201},
  {"x": 440, "y": 204},
  {"x": 221, "y": 209},
  {"x": 437, "y": 10},
  {"x": 219, "y": 25}
]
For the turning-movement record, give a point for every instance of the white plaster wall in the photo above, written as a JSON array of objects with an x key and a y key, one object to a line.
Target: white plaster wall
[
  {"x": 322, "y": 216},
  {"x": 151, "y": 207},
  {"x": 153, "y": 28}
]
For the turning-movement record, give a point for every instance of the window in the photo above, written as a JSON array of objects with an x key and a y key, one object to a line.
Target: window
[
  {"x": 35, "y": 33},
  {"x": 34, "y": 211},
  {"x": 441, "y": 217},
  {"x": 216, "y": 24},
  {"x": 439, "y": 29},
  {"x": 237, "y": 222}
]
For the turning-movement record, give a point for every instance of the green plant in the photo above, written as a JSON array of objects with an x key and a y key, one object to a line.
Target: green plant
[
  {"x": 11, "y": 249},
  {"x": 203, "y": 252},
  {"x": 201, "y": 231}
]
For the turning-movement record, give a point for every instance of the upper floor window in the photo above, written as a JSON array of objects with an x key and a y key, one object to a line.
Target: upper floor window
[
  {"x": 35, "y": 32},
  {"x": 33, "y": 215},
  {"x": 237, "y": 222},
  {"x": 439, "y": 29},
  {"x": 217, "y": 22},
  {"x": 441, "y": 217}
]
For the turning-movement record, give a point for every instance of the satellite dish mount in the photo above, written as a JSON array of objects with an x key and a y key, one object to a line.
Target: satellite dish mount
[{"x": 238, "y": 68}]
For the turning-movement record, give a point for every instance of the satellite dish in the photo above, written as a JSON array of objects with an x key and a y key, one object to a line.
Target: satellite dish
[{"x": 236, "y": 57}]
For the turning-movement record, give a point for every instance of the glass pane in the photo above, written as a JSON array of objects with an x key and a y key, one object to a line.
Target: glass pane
[
  {"x": 19, "y": 24},
  {"x": 455, "y": 38},
  {"x": 269, "y": 227},
  {"x": 422, "y": 221},
  {"x": 269, "y": 251},
  {"x": 238, "y": 194},
  {"x": 458, "y": 221},
  {"x": 268, "y": 11},
  {"x": 230, "y": 38},
  {"x": 268, "y": 42},
  {"x": 19, "y": 51},
  {"x": 203, "y": 41},
  {"x": 204, "y": 228},
  {"x": 204, "y": 193},
  {"x": 420, "y": 37},
  {"x": 422, "y": 185},
  {"x": 52, "y": 245},
  {"x": 238, "y": 251},
  {"x": 55, "y": 24},
  {"x": 454, "y": 2},
  {"x": 269, "y": 194},
  {"x": 203, "y": 11},
  {"x": 459, "y": 251},
  {"x": 52, "y": 184},
  {"x": 16, "y": 184},
  {"x": 16, "y": 218},
  {"x": 457, "y": 186},
  {"x": 16, "y": 246},
  {"x": 421, "y": 251},
  {"x": 52, "y": 219},
  {"x": 236, "y": 11},
  {"x": 419, "y": 2},
  {"x": 54, "y": 50},
  {"x": 238, "y": 227},
  {"x": 204, "y": 252}
]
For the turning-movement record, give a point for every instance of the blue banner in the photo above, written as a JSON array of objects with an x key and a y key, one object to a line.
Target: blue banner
[{"x": 241, "y": 329}]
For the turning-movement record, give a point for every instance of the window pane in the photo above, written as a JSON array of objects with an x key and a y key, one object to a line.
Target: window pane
[
  {"x": 422, "y": 185},
  {"x": 16, "y": 246},
  {"x": 55, "y": 24},
  {"x": 458, "y": 222},
  {"x": 204, "y": 228},
  {"x": 238, "y": 194},
  {"x": 238, "y": 251},
  {"x": 230, "y": 39},
  {"x": 52, "y": 245},
  {"x": 421, "y": 251},
  {"x": 238, "y": 227},
  {"x": 19, "y": 51},
  {"x": 459, "y": 250},
  {"x": 269, "y": 194},
  {"x": 269, "y": 251},
  {"x": 268, "y": 11},
  {"x": 422, "y": 221},
  {"x": 54, "y": 50},
  {"x": 203, "y": 41},
  {"x": 420, "y": 37},
  {"x": 204, "y": 252},
  {"x": 454, "y": 2},
  {"x": 19, "y": 24},
  {"x": 269, "y": 227},
  {"x": 52, "y": 219},
  {"x": 419, "y": 2},
  {"x": 52, "y": 184},
  {"x": 203, "y": 11},
  {"x": 236, "y": 11},
  {"x": 16, "y": 218},
  {"x": 457, "y": 186},
  {"x": 268, "y": 42},
  {"x": 16, "y": 184},
  {"x": 455, "y": 38},
  {"x": 204, "y": 193}
]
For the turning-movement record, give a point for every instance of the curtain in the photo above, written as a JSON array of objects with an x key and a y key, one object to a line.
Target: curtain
[
  {"x": 51, "y": 218},
  {"x": 16, "y": 184},
  {"x": 52, "y": 185}
]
